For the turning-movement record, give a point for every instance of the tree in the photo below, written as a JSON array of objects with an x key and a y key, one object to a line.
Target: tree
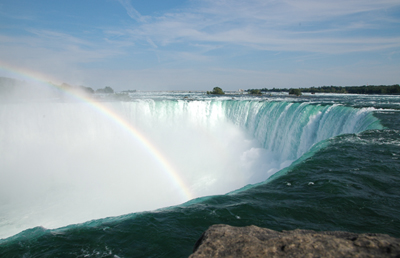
[
  {"x": 255, "y": 92},
  {"x": 296, "y": 92},
  {"x": 87, "y": 90},
  {"x": 217, "y": 91},
  {"x": 108, "y": 90},
  {"x": 105, "y": 90}
]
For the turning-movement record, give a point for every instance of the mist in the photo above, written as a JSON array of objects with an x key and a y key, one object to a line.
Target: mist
[{"x": 68, "y": 162}]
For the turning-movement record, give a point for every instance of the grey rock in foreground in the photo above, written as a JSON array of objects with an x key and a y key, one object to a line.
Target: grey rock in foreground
[{"x": 252, "y": 241}]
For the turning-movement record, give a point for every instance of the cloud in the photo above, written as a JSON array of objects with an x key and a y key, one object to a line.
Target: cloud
[
  {"x": 151, "y": 43},
  {"x": 309, "y": 25},
  {"x": 219, "y": 42},
  {"x": 58, "y": 54},
  {"x": 61, "y": 38},
  {"x": 132, "y": 12}
]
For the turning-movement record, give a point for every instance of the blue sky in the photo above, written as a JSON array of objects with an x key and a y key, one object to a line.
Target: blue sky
[{"x": 200, "y": 44}]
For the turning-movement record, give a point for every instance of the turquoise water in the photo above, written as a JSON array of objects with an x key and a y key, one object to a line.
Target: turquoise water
[{"x": 345, "y": 175}]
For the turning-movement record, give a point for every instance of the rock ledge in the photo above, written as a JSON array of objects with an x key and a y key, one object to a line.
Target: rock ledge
[{"x": 252, "y": 241}]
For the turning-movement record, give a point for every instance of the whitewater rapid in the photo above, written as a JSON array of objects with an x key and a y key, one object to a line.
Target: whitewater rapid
[{"x": 70, "y": 162}]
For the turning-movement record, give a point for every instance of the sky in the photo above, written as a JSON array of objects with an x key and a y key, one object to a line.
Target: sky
[{"x": 202, "y": 44}]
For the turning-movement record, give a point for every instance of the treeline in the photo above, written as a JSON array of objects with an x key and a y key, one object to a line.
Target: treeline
[
  {"x": 86, "y": 90},
  {"x": 370, "y": 89},
  {"x": 81, "y": 89},
  {"x": 11, "y": 87}
]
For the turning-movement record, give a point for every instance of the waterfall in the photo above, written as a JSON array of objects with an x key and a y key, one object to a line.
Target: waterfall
[{"x": 68, "y": 162}]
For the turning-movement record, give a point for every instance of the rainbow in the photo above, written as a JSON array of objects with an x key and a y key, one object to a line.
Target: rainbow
[{"x": 114, "y": 117}]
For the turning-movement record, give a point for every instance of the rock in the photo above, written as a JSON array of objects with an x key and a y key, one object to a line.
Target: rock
[{"x": 252, "y": 241}]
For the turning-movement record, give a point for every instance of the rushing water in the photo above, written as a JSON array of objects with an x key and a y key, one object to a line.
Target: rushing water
[{"x": 77, "y": 182}]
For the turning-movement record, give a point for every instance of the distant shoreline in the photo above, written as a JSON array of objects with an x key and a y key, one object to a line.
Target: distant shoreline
[{"x": 370, "y": 89}]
